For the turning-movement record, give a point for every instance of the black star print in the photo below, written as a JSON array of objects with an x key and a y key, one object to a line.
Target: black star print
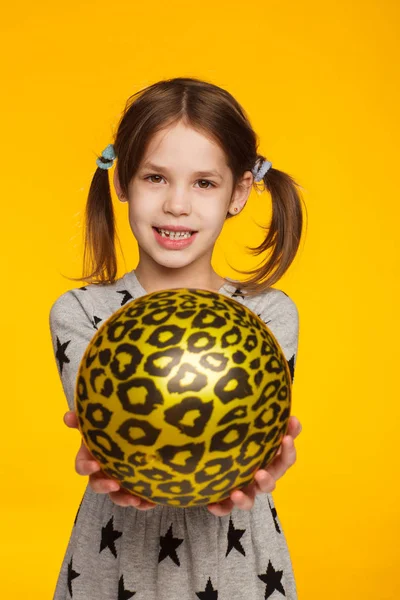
[
  {"x": 266, "y": 322},
  {"x": 84, "y": 288},
  {"x": 274, "y": 514},
  {"x": 127, "y": 296},
  {"x": 237, "y": 292},
  {"x": 108, "y": 537},
  {"x": 291, "y": 366},
  {"x": 234, "y": 536},
  {"x": 123, "y": 594},
  {"x": 71, "y": 576},
  {"x": 60, "y": 353},
  {"x": 209, "y": 593},
  {"x": 168, "y": 546},
  {"x": 272, "y": 579},
  {"x": 96, "y": 321},
  {"x": 76, "y": 517}
]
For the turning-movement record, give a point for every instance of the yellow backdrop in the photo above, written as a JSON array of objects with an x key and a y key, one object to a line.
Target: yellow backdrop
[{"x": 320, "y": 84}]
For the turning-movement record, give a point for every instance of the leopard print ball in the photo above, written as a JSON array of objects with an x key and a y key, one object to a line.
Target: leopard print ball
[{"x": 182, "y": 395}]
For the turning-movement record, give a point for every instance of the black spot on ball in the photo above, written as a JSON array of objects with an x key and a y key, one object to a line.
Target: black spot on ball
[
  {"x": 200, "y": 341},
  {"x": 175, "y": 415},
  {"x": 172, "y": 355},
  {"x": 166, "y": 335},
  {"x": 218, "y": 443},
  {"x": 175, "y": 384},
  {"x": 242, "y": 389},
  {"x": 82, "y": 389},
  {"x": 119, "y": 329},
  {"x": 153, "y": 397},
  {"x": 105, "y": 443},
  {"x": 150, "y": 433},
  {"x": 98, "y": 415},
  {"x": 120, "y": 369},
  {"x": 168, "y": 453}
]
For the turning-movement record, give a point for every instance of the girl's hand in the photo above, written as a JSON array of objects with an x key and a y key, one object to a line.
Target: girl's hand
[
  {"x": 100, "y": 482},
  {"x": 265, "y": 480}
]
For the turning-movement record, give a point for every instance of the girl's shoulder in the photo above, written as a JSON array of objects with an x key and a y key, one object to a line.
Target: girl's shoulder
[
  {"x": 273, "y": 302},
  {"x": 92, "y": 301}
]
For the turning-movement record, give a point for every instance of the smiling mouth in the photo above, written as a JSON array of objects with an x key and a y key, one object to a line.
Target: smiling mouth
[{"x": 174, "y": 235}]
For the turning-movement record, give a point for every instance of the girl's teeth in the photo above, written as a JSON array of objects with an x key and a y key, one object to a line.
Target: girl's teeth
[{"x": 174, "y": 235}]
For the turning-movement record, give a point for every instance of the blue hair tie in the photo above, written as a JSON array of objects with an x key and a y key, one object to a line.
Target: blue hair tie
[
  {"x": 260, "y": 171},
  {"x": 109, "y": 154}
]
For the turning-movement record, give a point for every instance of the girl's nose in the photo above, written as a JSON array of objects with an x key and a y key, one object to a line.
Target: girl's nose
[{"x": 177, "y": 203}]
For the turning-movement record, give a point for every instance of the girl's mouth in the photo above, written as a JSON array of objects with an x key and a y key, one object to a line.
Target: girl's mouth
[{"x": 182, "y": 240}]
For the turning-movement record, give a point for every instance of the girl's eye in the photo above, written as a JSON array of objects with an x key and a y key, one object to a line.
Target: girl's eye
[
  {"x": 150, "y": 176},
  {"x": 202, "y": 180}
]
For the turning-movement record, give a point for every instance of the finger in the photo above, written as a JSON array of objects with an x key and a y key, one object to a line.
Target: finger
[
  {"x": 220, "y": 509},
  {"x": 145, "y": 505},
  {"x": 70, "y": 419},
  {"x": 101, "y": 483},
  {"x": 294, "y": 427},
  {"x": 286, "y": 459},
  {"x": 125, "y": 499},
  {"x": 244, "y": 498},
  {"x": 85, "y": 463},
  {"x": 264, "y": 482}
]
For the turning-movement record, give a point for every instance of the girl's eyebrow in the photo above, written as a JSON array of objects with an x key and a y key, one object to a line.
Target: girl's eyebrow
[{"x": 212, "y": 173}]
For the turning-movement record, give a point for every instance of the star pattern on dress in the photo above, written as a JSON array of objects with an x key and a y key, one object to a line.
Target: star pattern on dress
[
  {"x": 209, "y": 593},
  {"x": 96, "y": 321},
  {"x": 108, "y": 537},
  {"x": 291, "y": 366},
  {"x": 272, "y": 579},
  {"x": 266, "y": 322},
  {"x": 77, "y": 512},
  {"x": 275, "y": 517},
  {"x": 71, "y": 576},
  {"x": 234, "y": 536},
  {"x": 123, "y": 594},
  {"x": 238, "y": 292},
  {"x": 60, "y": 354},
  {"x": 169, "y": 544},
  {"x": 127, "y": 296}
]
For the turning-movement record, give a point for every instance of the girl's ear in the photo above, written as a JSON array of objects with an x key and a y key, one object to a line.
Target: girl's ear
[
  {"x": 241, "y": 193},
  {"x": 118, "y": 187}
]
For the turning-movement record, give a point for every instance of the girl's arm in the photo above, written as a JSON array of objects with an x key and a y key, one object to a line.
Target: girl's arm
[
  {"x": 71, "y": 330},
  {"x": 280, "y": 314}
]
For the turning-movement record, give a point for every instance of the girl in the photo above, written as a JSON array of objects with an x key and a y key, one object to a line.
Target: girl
[{"x": 186, "y": 161}]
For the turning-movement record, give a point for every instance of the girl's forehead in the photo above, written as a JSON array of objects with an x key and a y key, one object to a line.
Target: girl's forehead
[{"x": 183, "y": 141}]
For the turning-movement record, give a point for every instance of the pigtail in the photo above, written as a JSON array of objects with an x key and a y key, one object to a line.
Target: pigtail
[
  {"x": 99, "y": 257},
  {"x": 284, "y": 231},
  {"x": 99, "y": 254}
]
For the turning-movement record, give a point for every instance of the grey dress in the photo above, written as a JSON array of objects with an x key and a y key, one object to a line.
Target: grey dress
[{"x": 168, "y": 553}]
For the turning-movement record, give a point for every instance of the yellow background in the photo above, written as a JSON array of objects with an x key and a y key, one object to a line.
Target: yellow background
[{"x": 319, "y": 82}]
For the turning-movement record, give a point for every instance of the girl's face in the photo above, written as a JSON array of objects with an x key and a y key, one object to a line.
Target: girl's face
[{"x": 168, "y": 190}]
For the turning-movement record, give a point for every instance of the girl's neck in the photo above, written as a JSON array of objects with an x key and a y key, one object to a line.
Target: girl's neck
[{"x": 151, "y": 283}]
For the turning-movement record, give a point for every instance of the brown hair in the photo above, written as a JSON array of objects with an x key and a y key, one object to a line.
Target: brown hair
[{"x": 206, "y": 108}]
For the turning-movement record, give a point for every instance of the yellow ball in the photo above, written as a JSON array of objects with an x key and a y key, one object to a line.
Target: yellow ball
[{"x": 182, "y": 395}]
